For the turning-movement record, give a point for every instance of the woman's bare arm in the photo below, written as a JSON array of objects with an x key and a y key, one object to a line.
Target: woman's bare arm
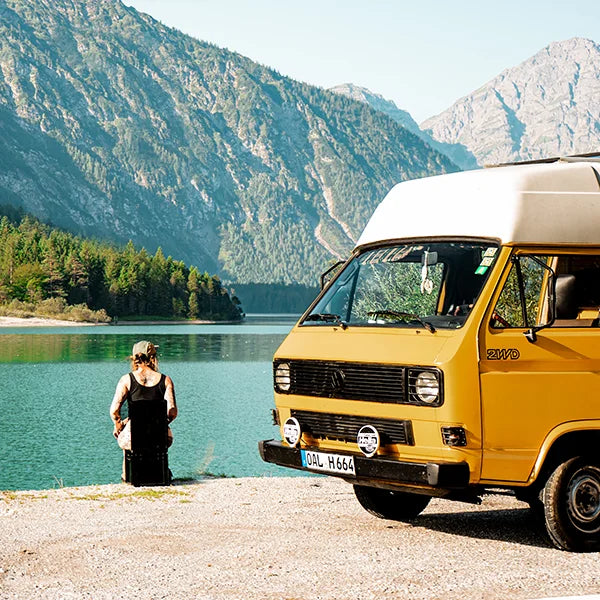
[
  {"x": 170, "y": 398},
  {"x": 117, "y": 402}
]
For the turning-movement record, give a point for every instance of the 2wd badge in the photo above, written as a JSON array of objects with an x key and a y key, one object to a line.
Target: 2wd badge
[
  {"x": 368, "y": 440},
  {"x": 292, "y": 431}
]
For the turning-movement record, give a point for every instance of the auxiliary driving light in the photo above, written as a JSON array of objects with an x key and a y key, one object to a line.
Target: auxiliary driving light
[
  {"x": 368, "y": 440},
  {"x": 292, "y": 431}
]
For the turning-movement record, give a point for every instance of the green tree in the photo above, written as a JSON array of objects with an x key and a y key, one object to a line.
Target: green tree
[
  {"x": 28, "y": 282},
  {"x": 56, "y": 271},
  {"x": 193, "y": 287}
]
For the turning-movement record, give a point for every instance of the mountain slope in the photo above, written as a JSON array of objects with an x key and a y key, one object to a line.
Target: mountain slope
[
  {"x": 115, "y": 126},
  {"x": 546, "y": 106},
  {"x": 456, "y": 152}
]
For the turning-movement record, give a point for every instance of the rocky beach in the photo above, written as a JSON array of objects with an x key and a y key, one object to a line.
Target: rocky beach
[{"x": 302, "y": 538}]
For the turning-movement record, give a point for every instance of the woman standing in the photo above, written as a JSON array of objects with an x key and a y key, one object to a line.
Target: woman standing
[{"x": 144, "y": 388}]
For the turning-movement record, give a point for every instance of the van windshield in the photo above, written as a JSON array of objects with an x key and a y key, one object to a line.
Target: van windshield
[{"x": 430, "y": 285}]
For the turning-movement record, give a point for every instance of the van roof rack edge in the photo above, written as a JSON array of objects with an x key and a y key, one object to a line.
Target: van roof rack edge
[{"x": 588, "y": 157}]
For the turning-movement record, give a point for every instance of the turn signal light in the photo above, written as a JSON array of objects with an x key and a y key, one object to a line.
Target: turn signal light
[
  {"x": 275, "y": 416},
  {"x": 454, "y": 436}
]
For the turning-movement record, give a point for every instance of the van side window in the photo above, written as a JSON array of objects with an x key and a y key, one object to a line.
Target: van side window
[
  {"x": 577, "y": 292},
  {"x": 521, "y": 302}
]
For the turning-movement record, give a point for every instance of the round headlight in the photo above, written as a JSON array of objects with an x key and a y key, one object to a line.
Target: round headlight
[
  {"x": 427, "y": 387},
  {"x": 282, "y": 377}
]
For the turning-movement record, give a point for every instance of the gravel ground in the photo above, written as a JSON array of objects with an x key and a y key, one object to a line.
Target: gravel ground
[{"x": 273, "y": 538}]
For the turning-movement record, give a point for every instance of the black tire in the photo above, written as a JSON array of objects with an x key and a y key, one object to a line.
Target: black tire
[
  {"x": 572, "y": 505},
  {"x": 388, "y": 504}
]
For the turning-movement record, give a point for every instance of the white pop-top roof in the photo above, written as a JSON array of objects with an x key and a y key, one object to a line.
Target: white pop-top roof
[{"x": 557, "y": 203}]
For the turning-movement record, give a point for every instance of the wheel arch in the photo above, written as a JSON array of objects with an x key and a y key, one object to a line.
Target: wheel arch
[{"x": 579, "y": 438}]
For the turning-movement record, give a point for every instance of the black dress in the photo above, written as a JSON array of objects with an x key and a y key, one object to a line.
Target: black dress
[
  {"x": 147, "y": 409},
  {"x": 147, "y": 462},
  {"x": 146, "y": 393}
]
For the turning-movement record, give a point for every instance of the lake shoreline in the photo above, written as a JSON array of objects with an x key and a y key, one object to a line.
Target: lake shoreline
[
  {"x": 42, "y": 322},
  {"x": 123, "y": 322},
  {"x": 47, "y": 322}
]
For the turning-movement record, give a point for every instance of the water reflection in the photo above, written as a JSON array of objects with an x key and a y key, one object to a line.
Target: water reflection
[{"x": 240, "y": 347}]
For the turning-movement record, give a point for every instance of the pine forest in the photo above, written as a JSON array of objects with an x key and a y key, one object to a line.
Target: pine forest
[{"x": 46, "y": 271}]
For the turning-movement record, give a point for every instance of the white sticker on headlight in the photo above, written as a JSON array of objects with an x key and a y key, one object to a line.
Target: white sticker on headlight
[
  {"x": 368, "y": 440},
  {"x": 292, "y": 431}
]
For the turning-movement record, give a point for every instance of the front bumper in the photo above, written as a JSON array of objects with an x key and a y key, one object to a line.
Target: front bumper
[{"x": 436, "y": 475}]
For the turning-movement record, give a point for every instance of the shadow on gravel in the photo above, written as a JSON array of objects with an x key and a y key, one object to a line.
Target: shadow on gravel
[{"x": 518, "y": 526}]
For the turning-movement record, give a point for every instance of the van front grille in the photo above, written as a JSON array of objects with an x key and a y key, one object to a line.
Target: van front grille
[
  {"x": 348, "y": 381},
  {"x": 346, "y": 427}
]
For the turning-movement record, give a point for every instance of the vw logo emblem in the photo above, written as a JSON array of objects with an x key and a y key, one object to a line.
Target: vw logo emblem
[
  {"x": 368, "y": 440},
  {"x": 337, "y": 380}
]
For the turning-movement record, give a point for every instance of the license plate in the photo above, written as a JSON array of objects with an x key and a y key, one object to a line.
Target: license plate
[{"x": 328, "y": 463}]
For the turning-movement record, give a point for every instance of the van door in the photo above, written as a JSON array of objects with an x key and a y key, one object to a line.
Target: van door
[{"x": 530, "y": 387}]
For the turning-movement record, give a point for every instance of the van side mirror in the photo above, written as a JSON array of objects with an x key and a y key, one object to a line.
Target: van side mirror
[{"x": 328, "y": 275}]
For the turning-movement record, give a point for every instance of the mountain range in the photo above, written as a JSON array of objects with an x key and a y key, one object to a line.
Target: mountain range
[
  {"x": 546, "y": 106},
  {"x": 115, "y": 126}
]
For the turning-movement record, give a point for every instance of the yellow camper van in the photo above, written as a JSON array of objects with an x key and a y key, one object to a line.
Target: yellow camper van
[{"x": 457, "y": 351}]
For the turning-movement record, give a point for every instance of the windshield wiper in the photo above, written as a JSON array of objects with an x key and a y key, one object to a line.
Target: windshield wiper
[
  {"x": 402, "y": 315},
  {"x": 328, "y": 318}
]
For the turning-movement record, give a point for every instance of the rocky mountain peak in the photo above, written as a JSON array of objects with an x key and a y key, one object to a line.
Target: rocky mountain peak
[
  {"x": 545, "y": 106},
  {"x": 456, "y": 152},
  {"x": 378, "y": 102}
]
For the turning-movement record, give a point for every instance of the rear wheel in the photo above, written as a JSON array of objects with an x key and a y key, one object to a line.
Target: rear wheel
[
  {"x": 572, "y": 505},
  {"x": 388, "y": 504}
]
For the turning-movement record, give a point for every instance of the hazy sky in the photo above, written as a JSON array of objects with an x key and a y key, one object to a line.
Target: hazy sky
[{"x": 423, "y": 54}]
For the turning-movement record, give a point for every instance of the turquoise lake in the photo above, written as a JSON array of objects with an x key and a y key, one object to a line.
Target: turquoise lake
[{"x": 58, "y": 384}]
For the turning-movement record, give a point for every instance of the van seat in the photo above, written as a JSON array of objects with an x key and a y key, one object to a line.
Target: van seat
[
  {"x": 587, "y": 312},
  {"x": 566, "y": 302},
  {"x": 575, "y": 323}
]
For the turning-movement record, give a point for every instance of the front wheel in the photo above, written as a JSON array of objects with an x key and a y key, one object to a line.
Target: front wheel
[
  {"x": 388, "y": 504},
  {"x": 572, "y": 505}
]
